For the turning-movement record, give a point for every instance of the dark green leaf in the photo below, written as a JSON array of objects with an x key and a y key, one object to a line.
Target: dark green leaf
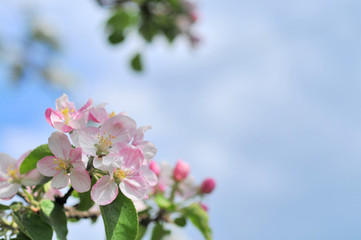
[
  {"x": 116, "y": 37},
  {"x": 31, "y": 160},
  {"x": 33, "y": 226},
  {"x": 136, "y": 63},
  {"x": 21, "y": 236},
  {"x": 159, "y": 232},
  {"x": 181, "y": 221},
  {"x": 4, "y": 207},
  {"x": 199, "y": 218},
  {"x": 53, "y": 213},
  {"x": 120, "y": 219}
]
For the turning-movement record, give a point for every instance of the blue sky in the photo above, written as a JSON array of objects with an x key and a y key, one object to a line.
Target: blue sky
[{"x": 268, "y": 105}]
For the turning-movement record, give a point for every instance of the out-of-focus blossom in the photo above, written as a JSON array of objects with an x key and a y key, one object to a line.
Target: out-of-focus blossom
[
  {"x": 207, "y": 185},
  {"x": 181, "y": 170},
  {"x": 66, "y": 118},
  {"x": 126, "y": 172},
  {"x": 154, "y": 167},
  {"x": 106, "y": 140},
  {"x": 10, "y": 178},
  {"x": 66, "y": 163},
  {"x": 188, "y": 188}
]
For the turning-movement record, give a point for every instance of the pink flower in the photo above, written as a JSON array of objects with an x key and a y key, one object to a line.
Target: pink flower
[
  {"x": 148, "y": 148},
  {"x": 10, "y": 178},
  {"x": 126, "y": 172},
  {"x": 207, "y": 185},
  {"x": 106, "y": 140},
  {"x": 154, "y": 167},
  {"x": 66, "y": 118},
  {"x": 181, "y": 170},
  {"x": 66, "y": 163}
]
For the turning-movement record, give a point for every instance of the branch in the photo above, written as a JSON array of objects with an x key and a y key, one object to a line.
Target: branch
[
  {"x": 72, "y": 212},
  {"x": 62, "y": 200}
]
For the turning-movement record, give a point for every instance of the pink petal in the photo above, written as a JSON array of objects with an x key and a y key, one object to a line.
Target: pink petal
[
  {"x": 87, "y": 138},
  {"x": 62, "y": 127},
  {"x": 8, "y": 190},
  {"x": 59, "y": 145},
  {"x": 121, "y": 127},
  {"x": 46, "y": 166},
  {"x": 5, "y": 162},
  {"x": 86, "y": 106},
  {"x": 131, "y": 157},
  {"x": 98, "y": 114},
  {"x": 149, "y": 150},
  {"x": 32, "y": 178},
  {"x": 76, "y": 158},
  {"x": 104, "y": 191},
  {"x": 63, "y": 102},
  {"x": 80, "y": 180},
  {"x": 135, "y": 188},
  {"x": 52, "y": 116},
  {"x": 60, "y": 180},
  {"x": 139, "y": 135},
  {"x": 149, "y": 176},
  {"x": 80, "y": 121}
]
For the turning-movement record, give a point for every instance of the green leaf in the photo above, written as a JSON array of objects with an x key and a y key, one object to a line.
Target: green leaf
[
  {"x": 120, "y": 219},
  {"x": 32, "y": 225},
  {"x": 136, "y": 63},
  {"x": 181, "y": 221},
  {"x": 53, "y": 213},
  {"x": 162, "y": 201},
  {"x": 116, "y": 37},
  {"x": 21, "y": 236},
  {"x": 159, "y": 232},
  {"x": 141, "y": 232},
  {"x": 199, "y": 218},
  {"x": 85, "y": 202},
  {"x": 4, "y": 207},
  {"x": 31, "y": 160}
]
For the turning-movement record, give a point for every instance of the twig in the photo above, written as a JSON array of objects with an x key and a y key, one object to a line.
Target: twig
[
  {"x": 72, "y": 212},
  {"x": 62, "y": 200}
]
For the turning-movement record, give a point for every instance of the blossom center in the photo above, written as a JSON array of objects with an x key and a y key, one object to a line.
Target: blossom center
[
  {"x": 105, "y": 142},
  {"x": 112, "y": 114},
  {"x": 120, "y": 174},
  {"x": 66, "y": 115},
  {"x": 13, "y": 173},
  {"x": 62, "y": 165}
]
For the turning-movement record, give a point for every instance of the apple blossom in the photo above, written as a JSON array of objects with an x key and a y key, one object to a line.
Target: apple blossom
[
  {"x": 154, "y": 167},
  {"x": 102, "y": 142},
  {"x": 66, "y": 163},
  {"x": 10, "y": 178},
  {"x": 148, "y": 148},
  {"x": 126, "y": 172},
  {"x": 207, "y": 185},
  {"x": 66, "y": 118},
  {"x": 181, "y": 170}
]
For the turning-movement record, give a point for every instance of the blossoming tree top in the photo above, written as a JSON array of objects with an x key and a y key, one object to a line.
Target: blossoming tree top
[{"x": 109, "y": 168}]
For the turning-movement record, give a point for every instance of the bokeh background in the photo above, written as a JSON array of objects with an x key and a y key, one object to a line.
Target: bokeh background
[{"x": 268, "y": 105}]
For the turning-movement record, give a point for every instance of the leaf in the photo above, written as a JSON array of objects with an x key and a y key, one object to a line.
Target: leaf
[
  {"x": 159, "y": 232},
  {"x": 162, "y": 201},
  {"x": 21, "y": 236},
  {"x": 4, "y": 207},
  {"x": 31, "y": 160},
  {"x": 33, "y": 226},
  {"x": 136, "y": 63},
  {"x": 141, "y": 232},
  {"x": 120, "y": 219},
  {"x": 181, "y": 221},
  {"x": 53, "y": 213},
  {"x": 116, "y": 37},
  {"x": 85, "y": 202},
  {"x": 199, "y": 218}
]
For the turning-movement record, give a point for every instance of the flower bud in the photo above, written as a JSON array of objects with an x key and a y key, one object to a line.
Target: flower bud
[
  {"x": 154, "y": 167},
  {"x": 181, "y": 170},
  {"x": 208, "y": 185}
]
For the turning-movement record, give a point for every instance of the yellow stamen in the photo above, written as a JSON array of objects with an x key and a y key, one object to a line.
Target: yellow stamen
[
  {"x": 112, "y": 114},
  {"x": 66, "y": 115},
  {"x": 13, "y": 173},
  {"x": 105, "y": 141},
  {"x": 120, "y": 174},
  {"x": 63, "y": 165}
]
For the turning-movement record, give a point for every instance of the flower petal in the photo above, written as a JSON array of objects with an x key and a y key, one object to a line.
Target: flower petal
[
  {"x": 99, "y": 114},
  {"x": 63, "y": 102},
  {"x": 121, "y": 127},
  {"x": 86, "y": 106},
  {"x": 6, "y": 161},
  {"x": 76, "y": 159},
  {"x": 32, "y": 178},
  {"x": 59, "y": 145},
  {"x": 80, "y": 180},
  {"x": 135, "y": 188},
  {"x": 7, "y": 190},
  {"x": 139, "y": 135},
  {"x": 130, "y": 157},
  {"x": 46, "y": 166},
  {"x": 104, "y": 191},
  {"x": 149, "y": 176},
  {"x": 87, "y": 138},
  {"x": 60, "y": 180},
  {"x": 149, "y": 150}
]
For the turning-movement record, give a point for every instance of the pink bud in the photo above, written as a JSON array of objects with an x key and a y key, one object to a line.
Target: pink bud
[
  {"x": 181, "y": 170},
  {"x": 205, "y": 207},
  {"x": 154, "y": 167},
  {"x": 208, "y": 185}
]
